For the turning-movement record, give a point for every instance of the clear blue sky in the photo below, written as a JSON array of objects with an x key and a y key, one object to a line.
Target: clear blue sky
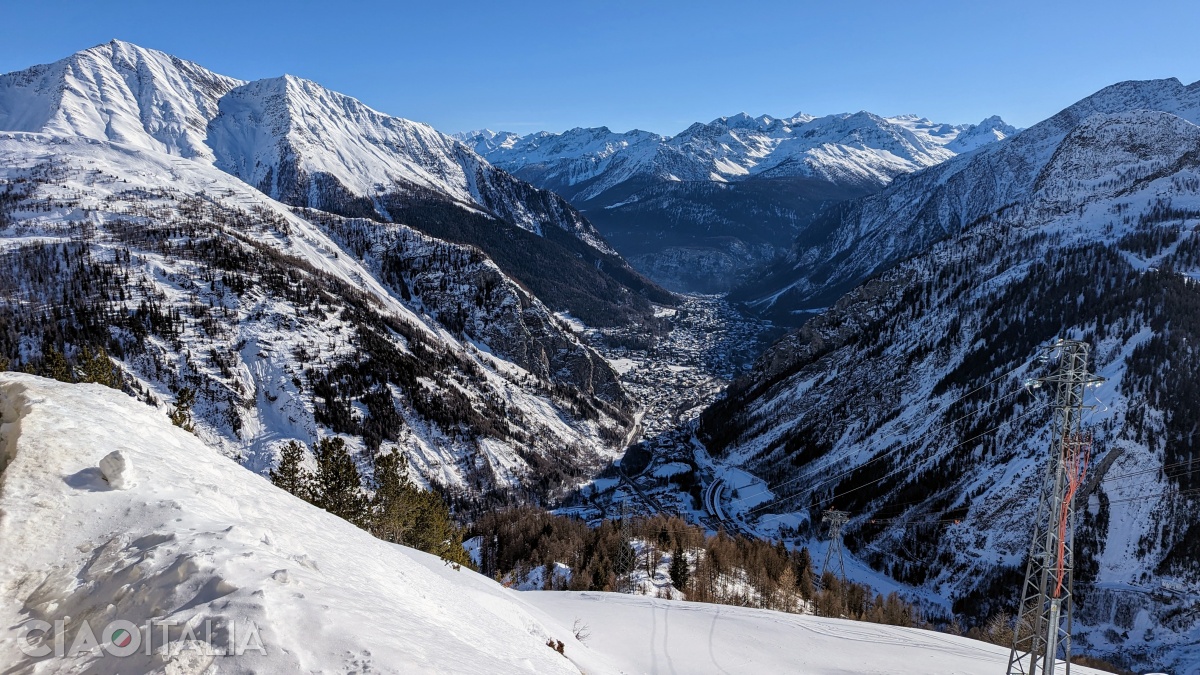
[{"x": 532, "y": 65}]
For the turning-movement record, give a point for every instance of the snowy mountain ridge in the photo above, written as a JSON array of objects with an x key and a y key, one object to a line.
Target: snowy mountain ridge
[
  {"x": 121, "y": 93},
  {"x": 307, "y": 146},
  {"x": 852, "y": 241},
  {"x": 299, "y": 142},
  {"x": 859, "y": 148},
  {"x": 699, "y": 211}
]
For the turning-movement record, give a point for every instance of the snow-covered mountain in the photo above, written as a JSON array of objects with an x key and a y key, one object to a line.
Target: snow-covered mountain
[
  {"x": 854, "y": 240},
  {"x": 118, "y": 92},
  {"x": 859, "y": 149},
  {"x": 308, "y": 146},
  {"x": 292, "y": 322},
  {"x": 720, "y": 198},
  {"x": 235, "y": 575},
  {"x": 905, "y": 402}
]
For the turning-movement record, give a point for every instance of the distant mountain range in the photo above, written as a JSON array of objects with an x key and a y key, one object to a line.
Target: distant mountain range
[{"x": 699, "y": 209}]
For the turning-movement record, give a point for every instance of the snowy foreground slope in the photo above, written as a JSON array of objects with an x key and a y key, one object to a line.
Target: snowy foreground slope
[
  {"x": 645, "y": 635},
  {"x": 195, "y": 538},
  {"x": 199, "y": 538}
]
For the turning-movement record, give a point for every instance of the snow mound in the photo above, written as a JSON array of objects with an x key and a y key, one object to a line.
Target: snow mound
[{"x": 117, "y": 470}]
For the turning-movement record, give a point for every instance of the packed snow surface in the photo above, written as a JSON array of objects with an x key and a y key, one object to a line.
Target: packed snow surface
[
  {"x": 647, "y": 635},
  {"x": 198, "y": 538}
]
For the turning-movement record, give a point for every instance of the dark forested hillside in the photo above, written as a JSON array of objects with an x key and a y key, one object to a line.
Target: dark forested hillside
[{"x": 907, "y": 404}]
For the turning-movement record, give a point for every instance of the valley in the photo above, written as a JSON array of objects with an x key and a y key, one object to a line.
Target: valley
[
  {"x": 650, "y": 363},
  {"x": 673, "y": 376}
]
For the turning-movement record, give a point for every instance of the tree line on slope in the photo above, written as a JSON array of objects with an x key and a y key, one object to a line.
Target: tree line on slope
[
  {"x": 395, "y": 509},
  {"x": 720, "y": 568}
]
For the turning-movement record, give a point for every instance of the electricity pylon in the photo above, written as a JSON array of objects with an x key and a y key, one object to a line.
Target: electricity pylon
[
  {"x": 836, "y": 519},
  {"x": 1044, "y": 619},
  {"x": 626, "y": 559}
]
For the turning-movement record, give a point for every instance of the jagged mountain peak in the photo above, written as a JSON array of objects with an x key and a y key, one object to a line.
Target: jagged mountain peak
[
  {"x": 265, "y": 125},
  {"x": 979, "y": 135},
  {"x": 743, "y": 120},
  {"x": 120, "y": 92},
  {"x": 860, "y": 148}
]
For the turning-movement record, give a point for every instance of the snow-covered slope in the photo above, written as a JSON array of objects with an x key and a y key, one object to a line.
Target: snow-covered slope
[
  {"x": 236, "y": 565},
  {"x": 118, "y": 92},
  {"x": 304, "y": 144},
  {"x": 265, "y": 124},
  {"x": 698, "y": 210},
  {"x": 199, "y": 540},
  {"x": 308, "y": 146},
  {"x": 904, "y": 403},
  {"x": 852, "y": 241},
  {"x": 293, "y": 325},
  {"x": 645, "y": 635}
]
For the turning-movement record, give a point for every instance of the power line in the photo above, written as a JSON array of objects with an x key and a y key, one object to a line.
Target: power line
[
  {"x": 895, "y": 471},
  {"x": 1164, "y": 468},
  {"x": 887, "y": 453},
  {"x": 1189, "y": 492},
  {"x": 943, "y": 451}
]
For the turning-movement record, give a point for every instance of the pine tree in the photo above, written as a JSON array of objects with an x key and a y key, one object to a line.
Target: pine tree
[
  {"x": 434, "y": 531},
  {"x": 96, "y": 367},
  {"x": 392, "y": 515},
  {"x": 679, "y": 568},
  {"x": 405, "y": 514},
  {"x": 291, "y": 474},
  {"x": 181, "y": 414},
  {"x": 54, "y": 365},
  {"x": 804, "y": 581},
  {"x": 337, "y": 485}
]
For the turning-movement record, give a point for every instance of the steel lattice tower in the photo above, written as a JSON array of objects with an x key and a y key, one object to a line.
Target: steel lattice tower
[
  {"x": 1043, "y": 627},
  {"x": 836, "y": 519},
  {"x": 626, "y": 556}
]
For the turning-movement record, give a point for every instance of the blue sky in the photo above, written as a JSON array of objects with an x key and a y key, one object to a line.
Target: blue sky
[{"x": 525, "y": 66}]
